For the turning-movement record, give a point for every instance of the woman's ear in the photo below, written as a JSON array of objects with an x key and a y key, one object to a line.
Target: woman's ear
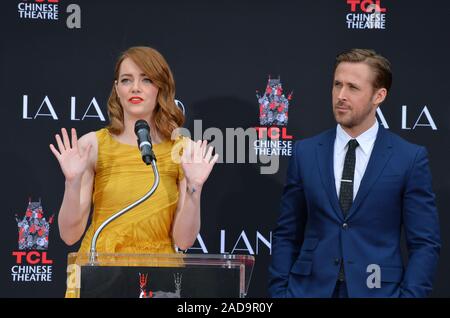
[{"x": 115, "y": 87}]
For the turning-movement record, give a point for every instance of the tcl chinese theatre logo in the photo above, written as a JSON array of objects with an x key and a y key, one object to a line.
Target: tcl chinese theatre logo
[
  {"x": 366, "y": 14},
  {"x": 38, "y": 9},
  {"x": 273, "y": 138},
  {"x": 32, "y": 263}
]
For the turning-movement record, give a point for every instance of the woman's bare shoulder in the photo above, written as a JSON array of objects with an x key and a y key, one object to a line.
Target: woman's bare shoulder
[{"x": 90, "y": 139}]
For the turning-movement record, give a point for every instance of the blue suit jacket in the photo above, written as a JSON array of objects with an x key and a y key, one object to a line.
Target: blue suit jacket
[{"x": 310, "y": 238}]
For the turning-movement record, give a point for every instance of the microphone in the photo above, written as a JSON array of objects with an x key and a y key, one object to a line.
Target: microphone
[{"x": 142, "y": 131}]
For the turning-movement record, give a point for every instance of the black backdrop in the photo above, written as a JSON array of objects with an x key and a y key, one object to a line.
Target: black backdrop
[{"x": 220, "y": 52}]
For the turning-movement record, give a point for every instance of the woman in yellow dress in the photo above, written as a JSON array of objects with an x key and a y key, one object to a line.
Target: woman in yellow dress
[{"x": 104, "y": 168}]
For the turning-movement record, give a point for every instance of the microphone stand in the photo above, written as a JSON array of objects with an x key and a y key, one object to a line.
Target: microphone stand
[{"x": 93, "y": 253}]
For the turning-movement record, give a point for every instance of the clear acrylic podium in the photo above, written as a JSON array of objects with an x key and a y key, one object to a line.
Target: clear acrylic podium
[{"x": 159, "y": 275}]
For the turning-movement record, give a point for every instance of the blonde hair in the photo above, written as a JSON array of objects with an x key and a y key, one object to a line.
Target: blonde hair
[
  {"x": 380, "y": 66},
  {"x": 166, "y": 115}
]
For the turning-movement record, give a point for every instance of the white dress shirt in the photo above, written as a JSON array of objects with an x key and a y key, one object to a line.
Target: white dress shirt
[{"x": 366, "y": 142}]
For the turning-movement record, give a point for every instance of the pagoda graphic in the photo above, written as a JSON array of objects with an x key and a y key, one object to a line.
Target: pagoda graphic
[
  {"x": 34, "y": 228},
  {"x": 160, "y": 294},
  {"x": 273, "y": 104}
]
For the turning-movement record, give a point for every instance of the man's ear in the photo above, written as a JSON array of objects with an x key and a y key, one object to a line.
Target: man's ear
[{"x": 379, "y": 96}]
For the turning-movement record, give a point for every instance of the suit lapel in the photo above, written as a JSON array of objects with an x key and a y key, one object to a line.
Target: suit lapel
[
  {"x": 325, "y": 158},
  {"x": 381, "y": 153}
]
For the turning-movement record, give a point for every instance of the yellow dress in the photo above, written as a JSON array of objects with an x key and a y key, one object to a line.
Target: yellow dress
[{"x": 121, "y": 177}]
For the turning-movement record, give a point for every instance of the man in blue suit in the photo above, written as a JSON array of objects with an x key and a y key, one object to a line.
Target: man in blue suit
[{"x": 349, "y": 191}]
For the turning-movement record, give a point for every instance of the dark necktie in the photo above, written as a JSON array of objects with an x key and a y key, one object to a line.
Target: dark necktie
[{"x": 346, "y": 191}]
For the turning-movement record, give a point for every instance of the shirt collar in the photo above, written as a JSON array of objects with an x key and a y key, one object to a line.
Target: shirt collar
[{"x": 365, "y": 140}]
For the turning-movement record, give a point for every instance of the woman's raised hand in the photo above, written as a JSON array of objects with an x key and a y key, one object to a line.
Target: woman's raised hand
[
  {"x": 197, "y": 162},
  {"x": 72, "y": 159}
]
